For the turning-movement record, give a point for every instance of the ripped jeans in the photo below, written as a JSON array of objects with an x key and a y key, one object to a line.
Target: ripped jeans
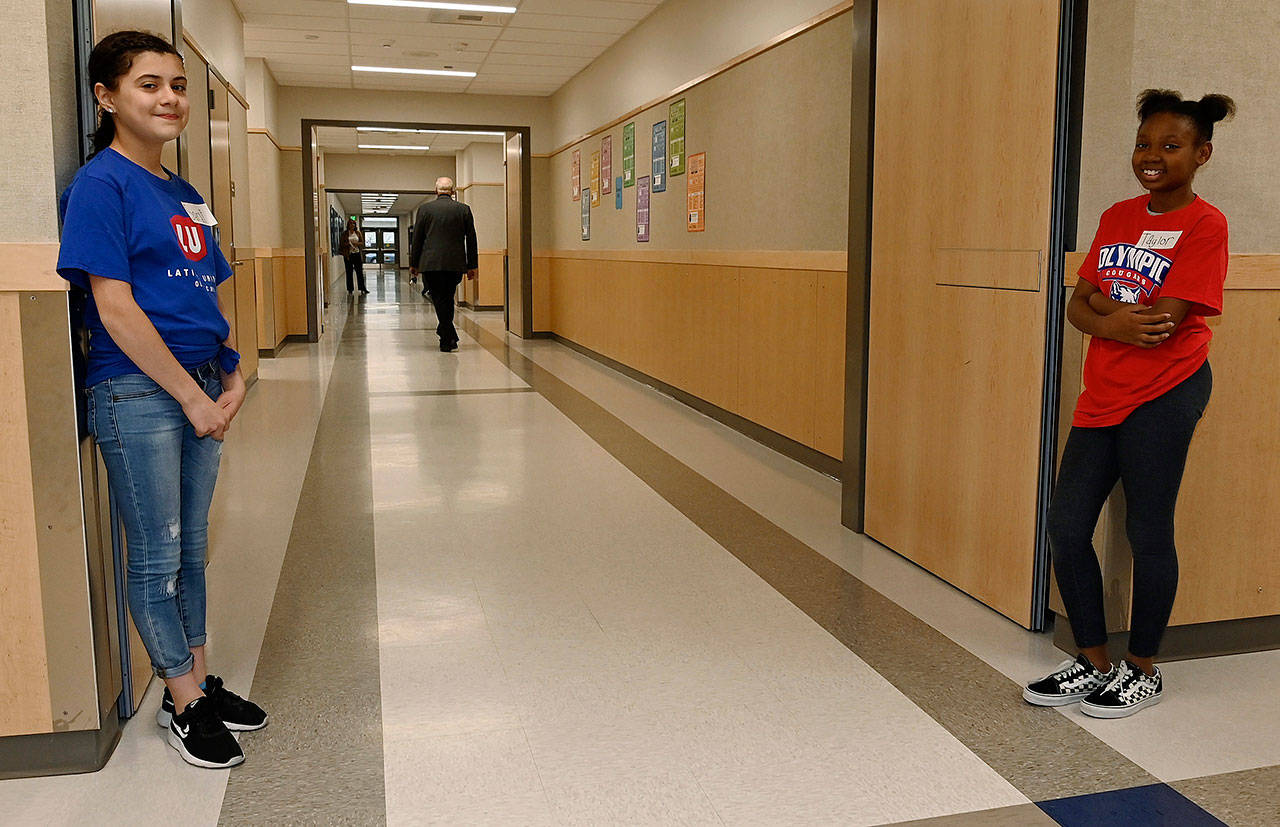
[{"x": 161, "y": 477}]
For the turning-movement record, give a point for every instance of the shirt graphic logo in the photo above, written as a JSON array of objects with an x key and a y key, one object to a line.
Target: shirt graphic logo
[
  {"x": 1130, "y": 272},
  {"x": 1159, "y": 239},
  {"x": 190, "y": 237}
]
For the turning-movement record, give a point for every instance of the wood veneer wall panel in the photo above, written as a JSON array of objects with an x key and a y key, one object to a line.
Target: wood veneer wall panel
[
  {"x": 280, "y": 294},
  {"x": 25, "y": 705},
  {"x": 1228, "y": 525},
  {"x": 828, "y": 387},
  {"x": 488, "y": 287},
  {"x": 775, "y": 362},
  {"x": 264, "y": 287},
  {"x": 760, "y": 356},
  {"x": 541, "y": 293},
  {"x": 712, "y": 336},
  {"x": 247, "y": 319},
  {"x": 955, "y": 373},
  {"x": 295, "y": 285}
]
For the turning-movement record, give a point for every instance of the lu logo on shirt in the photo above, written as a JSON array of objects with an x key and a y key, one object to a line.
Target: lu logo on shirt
[{"x": 190, "y": 238}]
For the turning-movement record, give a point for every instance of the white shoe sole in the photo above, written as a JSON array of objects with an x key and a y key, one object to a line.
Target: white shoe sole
[
  {"x": 1094, "y": 711},
  {"x": 176, "y": 743},
  {"x": 164, "y": 717},
  {"x": 1037, "y": 699}
]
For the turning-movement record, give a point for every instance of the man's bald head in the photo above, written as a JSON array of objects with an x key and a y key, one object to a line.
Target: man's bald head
[{"x": 444, "y": 186}]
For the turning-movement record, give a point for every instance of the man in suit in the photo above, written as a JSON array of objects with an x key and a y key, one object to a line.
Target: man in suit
[{"x": 444, "y": 248}]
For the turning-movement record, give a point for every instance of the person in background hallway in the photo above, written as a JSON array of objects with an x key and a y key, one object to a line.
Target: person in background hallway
[
  {"x": 352, "y": 257},
  {"x": 164, "y": 382},
  {"x": 1155, "y": 271},
  {"x": 444, "y": 247}
]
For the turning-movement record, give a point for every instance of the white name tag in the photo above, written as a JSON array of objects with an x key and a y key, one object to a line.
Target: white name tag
[
  {"x": 1158, "y": 239},
  {"x": 200, "y": 213}
]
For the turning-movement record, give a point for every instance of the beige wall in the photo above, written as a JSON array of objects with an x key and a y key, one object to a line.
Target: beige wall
[
  {"x": 26, "y": 99},
  {"x": 296, "y": 103},
  {"x": 261, "y": 89},
  {"x": 480, "y": 166},
  {"x": 776, "y": 133},
  {"x": 386, "y": 172},
  {"x": 680, "y": 41},
  {"x": 218, "y": 29},
  {"x": 1123, "y": 59}
]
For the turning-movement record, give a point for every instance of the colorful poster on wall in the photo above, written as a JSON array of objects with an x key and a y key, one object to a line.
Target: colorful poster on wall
[
  {"x": 586, "y": 218},
  {"x": 697, "y": 182},
  {"x": 595, "y": 179},
  {"x": 659, "y": 156},
  {"x": 675, "y": 139},
  {"x": 617, "y": 194},
  {"x": 629, "y": 155},
  {"x": 575, "y": 174},
  {"x": 642, "y": 209},
  {"x": 606, "y": 164}
]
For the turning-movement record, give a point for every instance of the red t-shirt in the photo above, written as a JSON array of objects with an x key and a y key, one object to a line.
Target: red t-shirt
[{"x": 1138, "y": 257}]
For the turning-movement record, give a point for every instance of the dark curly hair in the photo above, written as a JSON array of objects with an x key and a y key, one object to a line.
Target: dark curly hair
[
  {"x": 1204, "y": 113},
  {"x": 111, "y": 60}
]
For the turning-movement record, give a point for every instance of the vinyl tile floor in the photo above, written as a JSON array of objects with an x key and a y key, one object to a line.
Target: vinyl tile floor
[{"x": 508, "y": 585}]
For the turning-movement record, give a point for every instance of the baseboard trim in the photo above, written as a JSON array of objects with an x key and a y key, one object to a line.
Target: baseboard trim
[
  {"x": 1195, "y": 640},
  {"x": 784, "y": 445},
  {"x": 59, "y": 753}
]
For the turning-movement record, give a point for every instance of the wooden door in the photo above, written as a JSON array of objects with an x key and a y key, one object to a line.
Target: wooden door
[{"x": 963, "y": 183}]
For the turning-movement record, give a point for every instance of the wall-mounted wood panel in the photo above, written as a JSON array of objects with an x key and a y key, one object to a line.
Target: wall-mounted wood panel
[
  {"x": 247, "y": 319},
  {"x": 1222, "y": 528},
  {"x": 24, "y": 671},
  {"x": 963, "y": 159},
  {"x": 753, "y": 341}
]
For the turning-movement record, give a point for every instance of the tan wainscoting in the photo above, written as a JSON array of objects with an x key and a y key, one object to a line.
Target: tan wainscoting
[
  {"x": 486, "y": 290},
  {"x": 765, "y": 343},
  {"x": 30, "y": 267},
  {"x": 1228, "y": 527},
  {"x": 280, "y": 287},
  {"x": 25, "y": 705}
]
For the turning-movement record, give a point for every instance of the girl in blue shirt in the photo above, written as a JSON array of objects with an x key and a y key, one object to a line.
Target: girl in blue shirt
[{"x": 164, "y": 381}]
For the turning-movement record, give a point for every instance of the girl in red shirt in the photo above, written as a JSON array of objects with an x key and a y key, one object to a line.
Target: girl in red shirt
[{"x": 1154, "y": 272}]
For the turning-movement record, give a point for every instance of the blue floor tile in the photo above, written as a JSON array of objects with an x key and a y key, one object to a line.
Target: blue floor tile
[{"x": 1157, "y": 805}]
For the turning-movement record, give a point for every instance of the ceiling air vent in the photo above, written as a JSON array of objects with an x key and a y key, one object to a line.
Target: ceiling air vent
[{"x": 470, "y": 18}]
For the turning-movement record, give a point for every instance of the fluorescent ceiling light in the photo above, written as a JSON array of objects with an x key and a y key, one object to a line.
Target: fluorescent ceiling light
[
  {"x": 444, "y": 72},
  {"x": 426, "y": 131},
  {"x": 390, "y": 146},
  {"x": 427, "y": 4}
]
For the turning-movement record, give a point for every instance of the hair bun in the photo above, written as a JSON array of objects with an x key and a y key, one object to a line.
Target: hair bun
[{"x": 1216, "y": 108}]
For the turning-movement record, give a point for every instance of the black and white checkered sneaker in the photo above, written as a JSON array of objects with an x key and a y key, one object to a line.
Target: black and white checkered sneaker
[
  {"x": 1073, "y": 681},
  {"x": 1130, "y": 690}
]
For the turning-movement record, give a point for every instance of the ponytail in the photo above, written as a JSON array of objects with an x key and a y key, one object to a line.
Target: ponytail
[
  {"x": 111, "y": 60},
  {"x": 1204, "y": 113}
]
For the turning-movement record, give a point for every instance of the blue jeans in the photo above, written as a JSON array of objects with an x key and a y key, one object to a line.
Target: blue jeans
[{"x": 161, "y": 477}]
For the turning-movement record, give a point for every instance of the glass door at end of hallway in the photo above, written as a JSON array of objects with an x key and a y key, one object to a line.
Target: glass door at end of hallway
[{"x": 381, "y": 241}]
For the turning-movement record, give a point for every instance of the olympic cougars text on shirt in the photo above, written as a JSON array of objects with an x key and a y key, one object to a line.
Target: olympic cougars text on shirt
[{"x": 1137, "y": 258}]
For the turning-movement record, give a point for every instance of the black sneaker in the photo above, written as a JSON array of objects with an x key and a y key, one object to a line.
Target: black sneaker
[
  {"x": 1129, "y": 691},
  {"x": 201, "y": 739},
  {"x": 235, "y": 712},
  {"x": 1073, "y": 681}
]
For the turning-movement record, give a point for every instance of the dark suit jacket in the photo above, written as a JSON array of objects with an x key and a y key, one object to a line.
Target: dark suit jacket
[{"x": 444, "y": 238}]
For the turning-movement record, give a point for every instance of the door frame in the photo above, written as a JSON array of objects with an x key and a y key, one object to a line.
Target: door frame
[{"x": 309, "y": 194}]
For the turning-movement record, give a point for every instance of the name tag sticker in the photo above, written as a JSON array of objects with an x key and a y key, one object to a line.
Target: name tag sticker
[
  {"x": 200, "y": 213},
  {"x": 1158, "y": 239}
]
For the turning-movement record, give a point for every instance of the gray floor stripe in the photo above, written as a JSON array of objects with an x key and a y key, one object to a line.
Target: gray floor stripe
[
  {"x": 1041, "y": 753},
  {"x": 320, "y": 759},
  {"x": 1248, "y": 797},
  {"x": 452, "y": 392}
]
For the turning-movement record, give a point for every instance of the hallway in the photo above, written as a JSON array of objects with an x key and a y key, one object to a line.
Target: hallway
[{"x": 507, "y": 585}]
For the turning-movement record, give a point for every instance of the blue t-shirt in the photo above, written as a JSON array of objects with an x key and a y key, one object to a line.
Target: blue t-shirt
[{"x": 120, "y": 221}]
